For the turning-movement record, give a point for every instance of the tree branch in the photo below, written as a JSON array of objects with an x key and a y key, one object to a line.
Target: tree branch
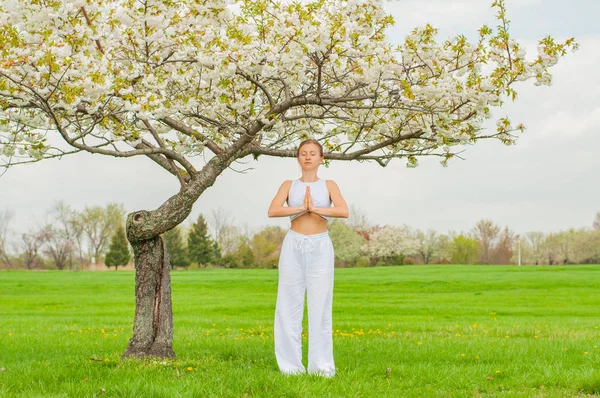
[
  {"x": 360, "y": 154},
  {"x": 89, "y": 23},
  {"x": 258, "y": 84},
  {"x": 165, "y": 164},
  {"x": 173, "y": 167},
  {"x": 182, "y": 128}
]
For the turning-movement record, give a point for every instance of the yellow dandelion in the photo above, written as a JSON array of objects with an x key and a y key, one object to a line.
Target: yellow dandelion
[
  {"x": 190, "y": 368},
  {"x": 457, "y": 334},
  {"x": 498, "y": 372},
  {"x": 535, "y": 337},
  {"x": 585, "y": 353},
  {"x": 419, "y": 342},
  {"x": 462, "y": 355}
]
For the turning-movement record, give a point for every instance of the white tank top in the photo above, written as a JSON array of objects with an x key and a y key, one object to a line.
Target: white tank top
[{"x": 318, "y": 193}]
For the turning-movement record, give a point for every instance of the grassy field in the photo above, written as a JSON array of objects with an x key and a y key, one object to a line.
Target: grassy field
[{"x": 412, "y": 331}]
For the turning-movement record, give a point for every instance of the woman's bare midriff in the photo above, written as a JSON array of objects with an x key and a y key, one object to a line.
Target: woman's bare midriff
[{"x": 309, "y": 224}]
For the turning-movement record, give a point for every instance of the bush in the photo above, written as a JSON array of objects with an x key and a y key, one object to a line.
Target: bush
[
  {"x": 229, "y": 261},
  {"x": 270, "y": 263},
  {"x": 409, "y": 261},
  {"x": 363, "y": 261},
  {"x": 381, "y": 263}
]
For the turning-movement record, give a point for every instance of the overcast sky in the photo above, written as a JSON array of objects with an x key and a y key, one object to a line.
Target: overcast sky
[{"x": 548, "y": 181}]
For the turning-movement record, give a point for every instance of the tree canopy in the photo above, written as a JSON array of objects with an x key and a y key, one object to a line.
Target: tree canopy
[{"x": 171, "y": 79}]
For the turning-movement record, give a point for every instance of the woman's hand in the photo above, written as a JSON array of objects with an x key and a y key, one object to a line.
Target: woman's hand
[
  {"x": 310, "y": 205},
  {"x": 304, "y": 206}
]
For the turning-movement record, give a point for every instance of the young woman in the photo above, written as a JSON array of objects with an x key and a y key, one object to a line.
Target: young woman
[{"x": 306, "y": 265}]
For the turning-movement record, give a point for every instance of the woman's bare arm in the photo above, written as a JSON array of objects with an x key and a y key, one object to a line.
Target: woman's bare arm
[
  {"x": 340, "y": 208},
  {"x": 277, "y": 208}
]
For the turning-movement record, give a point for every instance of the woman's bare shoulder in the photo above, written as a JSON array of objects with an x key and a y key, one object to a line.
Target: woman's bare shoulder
[{"x": 286, "y": 184}]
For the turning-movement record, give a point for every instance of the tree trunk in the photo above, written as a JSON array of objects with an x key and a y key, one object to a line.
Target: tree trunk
[
  {"x": 153, "y": 323},
  {"x": 5, "y": 258}
]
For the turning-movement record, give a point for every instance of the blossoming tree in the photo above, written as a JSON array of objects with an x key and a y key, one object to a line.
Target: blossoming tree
[
  {"x": 170, "y": 79},
  {"x": 390, "y": 241}
]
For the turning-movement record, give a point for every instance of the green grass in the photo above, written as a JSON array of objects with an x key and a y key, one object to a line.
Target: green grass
[{"x": 443, "y": 331}]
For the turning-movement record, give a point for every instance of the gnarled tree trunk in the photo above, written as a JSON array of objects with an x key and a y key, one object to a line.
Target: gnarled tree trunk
[{"x": 153, "y": 324}]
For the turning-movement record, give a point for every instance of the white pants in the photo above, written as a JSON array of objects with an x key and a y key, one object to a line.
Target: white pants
[{"x": 305, "y": 265}]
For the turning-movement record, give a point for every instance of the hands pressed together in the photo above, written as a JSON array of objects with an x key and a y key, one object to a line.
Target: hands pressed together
[{"x": 308, "y": 204}]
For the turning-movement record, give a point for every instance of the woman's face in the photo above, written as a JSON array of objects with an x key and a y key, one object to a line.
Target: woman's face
[{"x": 310, "y": 156}]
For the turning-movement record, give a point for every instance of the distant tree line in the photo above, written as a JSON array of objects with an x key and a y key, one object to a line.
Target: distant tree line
[
  {"x": 65, "y": 239},
  {"x": 71, "y": 239}
]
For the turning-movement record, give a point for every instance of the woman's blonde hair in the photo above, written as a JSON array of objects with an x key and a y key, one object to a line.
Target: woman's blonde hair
[{"x": 310, "y": 141}]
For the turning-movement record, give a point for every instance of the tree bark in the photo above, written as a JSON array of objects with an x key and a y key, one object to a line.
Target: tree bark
[{"x": 153, "y": 323}]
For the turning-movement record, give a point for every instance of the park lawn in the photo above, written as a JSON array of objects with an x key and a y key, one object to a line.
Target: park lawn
[{"x": 407, "y": 331}]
